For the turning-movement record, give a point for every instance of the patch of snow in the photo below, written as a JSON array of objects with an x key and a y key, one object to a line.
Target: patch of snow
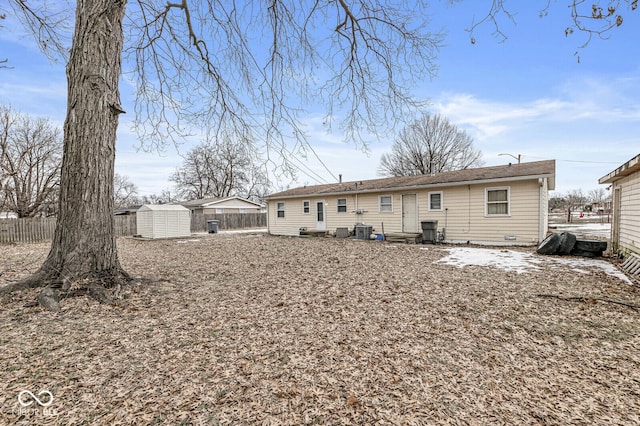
[
  {"x": 580, "y": 271},
  {"x": 522, "y": 262},
  {"x": 508, "y": 260}
]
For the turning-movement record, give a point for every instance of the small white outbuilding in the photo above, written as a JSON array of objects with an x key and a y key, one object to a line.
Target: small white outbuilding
[{"x": 163, "y": 221}]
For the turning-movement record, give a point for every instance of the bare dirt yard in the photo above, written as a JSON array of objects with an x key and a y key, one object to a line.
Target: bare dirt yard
[{"x": 256, "y": 329}]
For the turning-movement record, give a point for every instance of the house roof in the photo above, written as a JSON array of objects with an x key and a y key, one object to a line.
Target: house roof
[
  {"x": 125, "y": 210},
  {"x": 510, "y": 172},
  {"x": 626, "y": 169},
  {"x": 209, "y": 202}
]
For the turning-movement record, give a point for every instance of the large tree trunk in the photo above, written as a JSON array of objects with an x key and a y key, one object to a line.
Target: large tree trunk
[{"x": 84, "y": 246}]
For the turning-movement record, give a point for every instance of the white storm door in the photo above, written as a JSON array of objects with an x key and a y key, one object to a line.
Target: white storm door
[
  {"x": 409, "y": 213},
  {"x": 321, "y": 224}
]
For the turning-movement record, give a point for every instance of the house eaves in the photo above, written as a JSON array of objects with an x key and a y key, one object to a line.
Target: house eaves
[
  {"x": 626, "y": 169},
  {"x": 417, "y": 187},
  {"x": 487, "y": 175}
]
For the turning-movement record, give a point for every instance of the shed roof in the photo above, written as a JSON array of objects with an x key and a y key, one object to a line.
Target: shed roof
[
  {"x": 522, "y": 171},
  {"x": 162, "y": 207},
  {"x": 626, "y": 169}
]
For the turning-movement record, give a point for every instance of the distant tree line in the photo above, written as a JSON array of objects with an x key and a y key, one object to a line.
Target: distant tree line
[
  {"x": 31, "y": 160},
  {"x": 576, "y": 200}
]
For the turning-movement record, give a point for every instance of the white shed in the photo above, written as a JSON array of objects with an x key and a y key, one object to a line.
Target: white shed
[{"x": 163, "y": 221}]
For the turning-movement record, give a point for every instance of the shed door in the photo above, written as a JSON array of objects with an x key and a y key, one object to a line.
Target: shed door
[
  {"x": 409, "y": 213},
  {"x": 320, "y": 222}
]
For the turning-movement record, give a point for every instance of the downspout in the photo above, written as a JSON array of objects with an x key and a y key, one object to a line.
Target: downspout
[{"x": 544, "y": 206}]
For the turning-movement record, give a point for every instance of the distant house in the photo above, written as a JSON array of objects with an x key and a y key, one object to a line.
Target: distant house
[
  {"x": 505, "y": 205},
  {"x": 223, "y": 205},
  {"x": 625, "y": 228}
]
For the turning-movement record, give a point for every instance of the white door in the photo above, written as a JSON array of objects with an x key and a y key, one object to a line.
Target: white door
[
  {"x": 409, "y": 213},
  {"x": 320, "y": 221}
]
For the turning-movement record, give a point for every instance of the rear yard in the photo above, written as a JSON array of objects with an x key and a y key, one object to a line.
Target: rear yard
[{"x": 254, "y": 329}]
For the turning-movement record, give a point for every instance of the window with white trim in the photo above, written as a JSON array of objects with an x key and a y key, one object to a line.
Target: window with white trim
[
  {"x": 497, "y": 201},
  {"x": 306, "y": 207},
  {"x": 280, "y": 210},
  {"x": 435, "y": 201},
  {"x": 386, "y": 203},
  {"x": 342, "y": 205}
]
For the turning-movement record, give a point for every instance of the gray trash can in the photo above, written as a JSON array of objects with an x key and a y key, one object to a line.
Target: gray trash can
[
  {"x": 429, "y": 231},
  {"x": 212, "y": 226}
]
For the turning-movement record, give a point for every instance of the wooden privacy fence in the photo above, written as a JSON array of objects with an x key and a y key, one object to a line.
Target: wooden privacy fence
[
  {"x": 34, "y": 230},
  {"x": 229, "y": 221},
  {"x": 38, "y": 229}
]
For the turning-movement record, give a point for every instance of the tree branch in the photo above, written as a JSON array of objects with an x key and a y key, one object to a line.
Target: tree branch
[{"x": 585, "y": 299}]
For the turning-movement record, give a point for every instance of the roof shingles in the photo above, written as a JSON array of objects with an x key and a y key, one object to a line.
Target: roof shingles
[{"x": 511, "y": 171}]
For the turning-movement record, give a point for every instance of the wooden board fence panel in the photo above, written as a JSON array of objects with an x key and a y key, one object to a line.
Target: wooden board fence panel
[
  {"x": 35, "y": 230},
  {"x": 39, "y": 229},
  {"x": 28, "y": 230},
  {"x": 229, "y": 221}
]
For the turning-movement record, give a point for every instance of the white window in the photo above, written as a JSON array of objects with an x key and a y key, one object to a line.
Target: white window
[
  {"x": 386, "y": 203},
  {"x": 306, "y": 207},
  {"x": 435, "y": 201},
  {"x": 219, "y": 210},
  {"x": 280, "y": 209},
  {"x": 342, "y": 205},
  {"x": 497, "y": 201}
]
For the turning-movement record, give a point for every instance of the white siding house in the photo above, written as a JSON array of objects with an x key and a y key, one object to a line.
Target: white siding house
[
  {"x": 625, "y": 186},
  {"x": 500, "y": 205},
  {"x": 163, "y": 221}
]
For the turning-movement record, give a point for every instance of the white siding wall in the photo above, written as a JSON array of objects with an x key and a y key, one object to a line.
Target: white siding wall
[
  {"x": 629, "y": 213},
  {"x": 144, "y": 223},
  {"x": 463, "y": 213}
]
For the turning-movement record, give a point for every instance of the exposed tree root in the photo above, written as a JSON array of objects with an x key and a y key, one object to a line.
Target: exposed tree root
[
  {"x": 591, "y": 300},
  {"x": 103, "y": 287},
  {"x": 36, "y": 280}
]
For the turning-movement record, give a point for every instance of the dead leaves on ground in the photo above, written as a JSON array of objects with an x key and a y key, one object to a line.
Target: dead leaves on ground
[{"x": 269, "y": 330}]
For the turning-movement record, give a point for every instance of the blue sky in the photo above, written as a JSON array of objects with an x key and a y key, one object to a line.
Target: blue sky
[{"x": 525, "y": 96}]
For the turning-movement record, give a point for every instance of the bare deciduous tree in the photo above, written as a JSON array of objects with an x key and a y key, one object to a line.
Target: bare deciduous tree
[
  {"x": 220, "y": 169},
  {"x": 246, "y": 67},
  {"x": 30, "y": 159},
  {"x": 574, "y": 199},
  {"x": 590, "y": 18},
  {"x": 598, "y": 195},
  {"x": 430, "y": 145},
  {"x": 241, "y": 67},
  {"x": 124, "y": 191},
  {"x": 165, "y": 197}
]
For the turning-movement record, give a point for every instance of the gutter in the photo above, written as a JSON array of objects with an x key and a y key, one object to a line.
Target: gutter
[{"x": 414, "y": 187}]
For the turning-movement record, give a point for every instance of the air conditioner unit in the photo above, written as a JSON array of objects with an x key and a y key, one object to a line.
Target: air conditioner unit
[{"x": 363, "y": 232}]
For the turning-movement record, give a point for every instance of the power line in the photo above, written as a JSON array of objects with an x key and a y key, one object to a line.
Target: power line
[
  {"x": 322, "y": 162},
  {"x": 575, "y": 161},
  {"x": 319, "y": 179}
]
